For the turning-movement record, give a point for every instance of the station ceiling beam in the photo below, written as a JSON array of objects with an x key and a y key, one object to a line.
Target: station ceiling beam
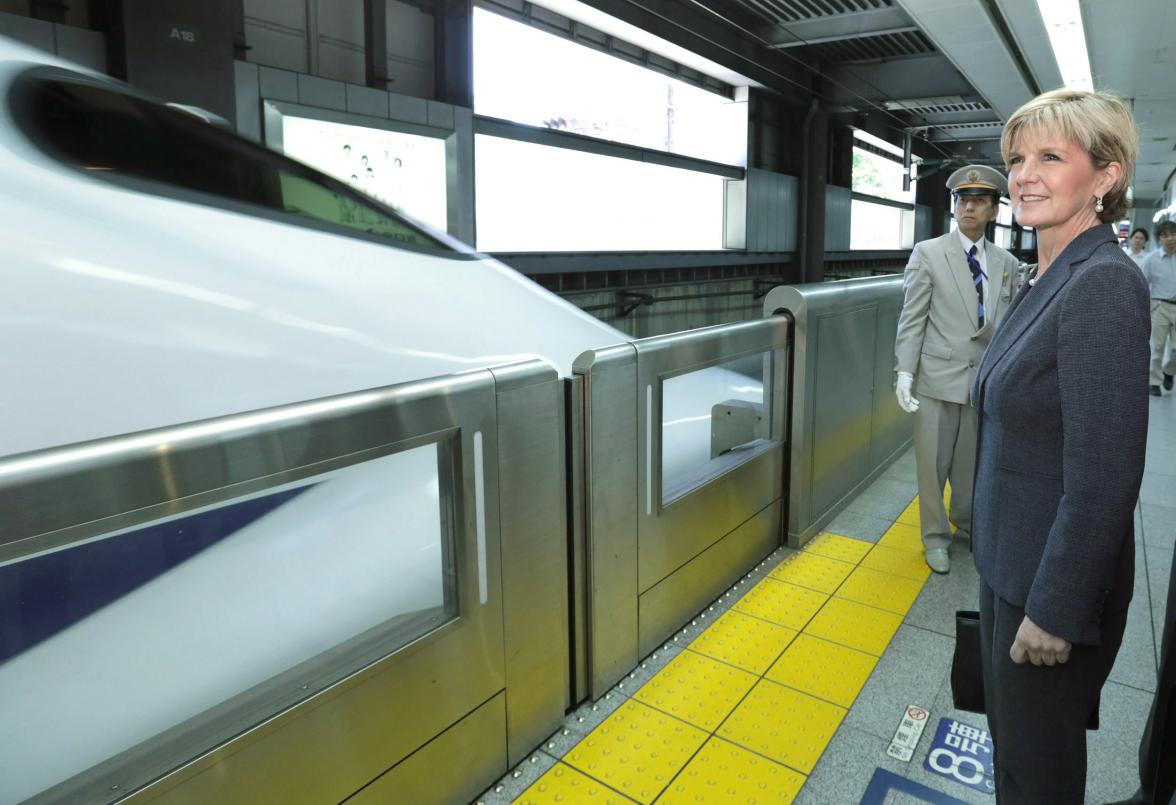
[
  {"x": 849, "y": 25},
  {"x": 966, "y": 132},
  {"x": 911, "y": 77},
  {"x": 975, "y": 38},
  {"x": 709, "y": 34}
]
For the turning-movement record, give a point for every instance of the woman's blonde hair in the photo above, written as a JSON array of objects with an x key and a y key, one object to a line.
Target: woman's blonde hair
[{"x": 1099, "y": 122}]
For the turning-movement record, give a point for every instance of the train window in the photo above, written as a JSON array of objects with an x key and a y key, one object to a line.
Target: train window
[
  {"x": 712, "y": 419},
  {"x": 118, "y": 136}
]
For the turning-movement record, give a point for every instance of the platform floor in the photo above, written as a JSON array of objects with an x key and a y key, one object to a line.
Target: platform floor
[{"x": 791, "y": 686}]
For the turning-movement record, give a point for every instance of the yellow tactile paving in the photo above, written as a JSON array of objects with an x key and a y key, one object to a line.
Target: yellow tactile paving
[
  {"x": 836, "y": 546},
  {"x": 781, "y": 602},
  {"x": 882, "y": 590},
  {"x": 563, "y": 784},
  {"x": 903, "y": 537},
  {"x": 826, "y": 670},
  {"x": 813, "y": 571},
  {"x": 899, "y": 562},
  {"x": 773, "y": 728},
  {"x": 750, "y": 643},
  {"x": 910, "y": 515},
  {"x": 725, "y": 774},
  {"x": 855, "y": 625},
  {"x": 696, "y": 689},
  {"x": 636, "y": 750},
  {"x": 785, "y": 725}
]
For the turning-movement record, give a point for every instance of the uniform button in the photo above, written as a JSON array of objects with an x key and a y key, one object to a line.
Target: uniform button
[{"x": 971, "y": 364}]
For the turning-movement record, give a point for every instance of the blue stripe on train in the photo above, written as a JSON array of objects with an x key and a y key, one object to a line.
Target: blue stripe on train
[{"x": 43, "y": 595}]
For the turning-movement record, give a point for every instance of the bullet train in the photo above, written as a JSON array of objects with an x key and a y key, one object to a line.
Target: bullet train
[{"x": 158, "y": 270}]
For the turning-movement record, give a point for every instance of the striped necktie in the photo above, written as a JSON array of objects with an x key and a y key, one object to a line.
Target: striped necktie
[{"x": 978, "y": 281}]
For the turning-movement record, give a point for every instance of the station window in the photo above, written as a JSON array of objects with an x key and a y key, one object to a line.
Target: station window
[
  {"x": 529, "y": 76},
  {"x": 541, "y": 198},
  {"x": 1004, "y": 225},
  {"x": 882, "y": 216},
  {"x": 880, "y": 227},
  {"x": 878, "y": 170}
]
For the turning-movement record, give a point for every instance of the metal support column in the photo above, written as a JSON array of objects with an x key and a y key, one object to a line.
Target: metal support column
[
  {"x": 453, "y": 45},
  {"x": 375, "y": 43},
  {"x": 813, "y": 181}
]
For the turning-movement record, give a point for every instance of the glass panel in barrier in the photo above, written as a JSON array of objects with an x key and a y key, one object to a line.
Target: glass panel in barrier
[
  {"x": 143, "y": 648},
  {"x": 712, "y": 420}
]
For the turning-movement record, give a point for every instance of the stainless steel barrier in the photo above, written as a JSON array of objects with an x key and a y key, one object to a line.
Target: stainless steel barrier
[
  {"x": 299, "y": 604},
  {"x": 674, "y": 508},
  {"x": 846, "y": 426}
]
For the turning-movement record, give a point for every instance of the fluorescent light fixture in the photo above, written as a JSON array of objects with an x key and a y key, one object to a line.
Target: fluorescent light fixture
[{"x": 1063, "y": 23}]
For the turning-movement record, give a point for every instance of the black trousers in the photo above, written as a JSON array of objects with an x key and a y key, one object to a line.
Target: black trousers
[{"x": 1037, "y": 714}]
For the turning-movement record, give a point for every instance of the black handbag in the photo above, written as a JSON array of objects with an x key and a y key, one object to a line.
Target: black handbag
[{"x": 967, "y": 677}]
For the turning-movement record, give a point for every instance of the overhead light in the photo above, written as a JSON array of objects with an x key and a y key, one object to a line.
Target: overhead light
[{"x": 1063, "y": 23}]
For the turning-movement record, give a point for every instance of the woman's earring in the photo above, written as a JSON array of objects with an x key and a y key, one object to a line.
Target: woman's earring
[{"x": 1098, "y": 205}]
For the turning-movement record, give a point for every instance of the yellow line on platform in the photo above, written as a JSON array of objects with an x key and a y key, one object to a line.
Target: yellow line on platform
[{"x": 744, "y": 713}]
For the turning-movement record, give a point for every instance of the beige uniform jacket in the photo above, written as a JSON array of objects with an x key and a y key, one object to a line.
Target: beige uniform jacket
[{"x": 938, "y": 341}]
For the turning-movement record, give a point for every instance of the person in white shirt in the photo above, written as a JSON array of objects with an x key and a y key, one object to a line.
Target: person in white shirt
[
  {"x": 1159, "y": 269},
  {"x": 1136, "y": 247},
  {"x": 956, "y": 288}
]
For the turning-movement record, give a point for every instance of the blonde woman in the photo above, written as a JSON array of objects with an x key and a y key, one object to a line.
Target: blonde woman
[{"x": 1062, "y": 403}]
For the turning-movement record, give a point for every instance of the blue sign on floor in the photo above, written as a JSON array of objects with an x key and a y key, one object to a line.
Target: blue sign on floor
[
  {"x": 962, "y": 753},
  {"x": 885, "y": 782}
]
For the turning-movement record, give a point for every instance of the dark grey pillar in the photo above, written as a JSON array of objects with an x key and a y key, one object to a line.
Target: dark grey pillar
[
  {"x": 181, "y": 51},
  {"x": 453, "y": 51},
  {"x": 375, "y": 43},
  {"x": 932, "y": 191},
  {"x": 814, "y": 178}
]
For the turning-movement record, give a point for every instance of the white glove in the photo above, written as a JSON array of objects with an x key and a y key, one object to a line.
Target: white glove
[{"x": 902, "y": 390}]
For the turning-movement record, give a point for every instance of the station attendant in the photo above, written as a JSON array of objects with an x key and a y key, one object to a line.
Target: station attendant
[
  {"x": 956, "y": 288},
  {"x": 1062, "y": 405},
  {"x": 1159, "y": 269}
]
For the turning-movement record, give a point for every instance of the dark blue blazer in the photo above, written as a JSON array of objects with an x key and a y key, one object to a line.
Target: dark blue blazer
[{"x": 1062, "y": 401}]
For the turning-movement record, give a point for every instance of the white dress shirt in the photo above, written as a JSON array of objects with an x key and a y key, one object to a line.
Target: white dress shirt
[
  {"x": 1138, "y": 258},
  {"x": 980, "y": 258},
  {"x": 1160, "y": 271}
]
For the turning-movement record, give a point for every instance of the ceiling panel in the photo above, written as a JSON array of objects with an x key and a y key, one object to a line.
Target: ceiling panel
[
  {"x": 1132, "y": 53},
  {"x": 965, "y": 33}
]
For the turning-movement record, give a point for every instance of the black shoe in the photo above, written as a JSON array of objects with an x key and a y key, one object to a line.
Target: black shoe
[
  {"x": 1167, "y": 382},
  {"x": 1155, "y": 391}
]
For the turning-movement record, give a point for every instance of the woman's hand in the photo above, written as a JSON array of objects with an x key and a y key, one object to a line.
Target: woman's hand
[{"x": 1038, "y": 646}]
